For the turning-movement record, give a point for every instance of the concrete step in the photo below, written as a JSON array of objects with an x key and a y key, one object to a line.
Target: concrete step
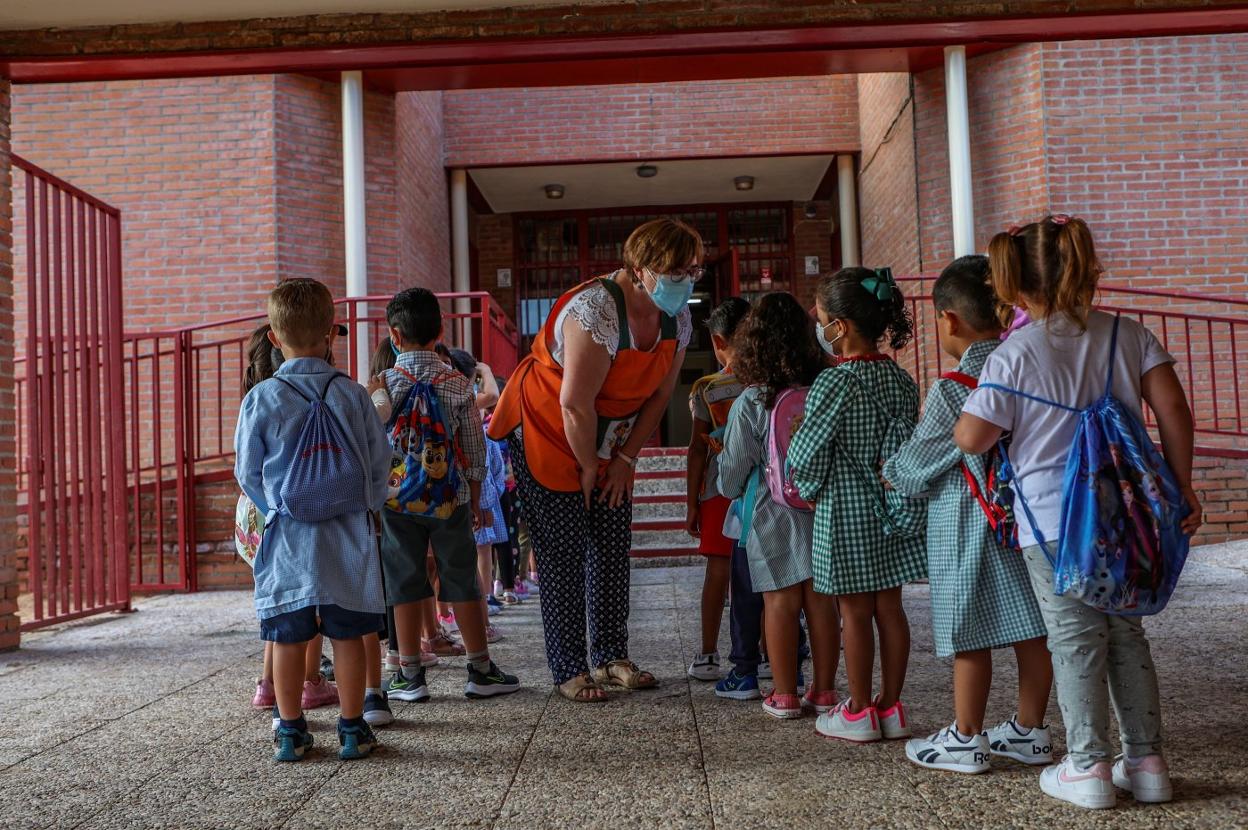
[
  {"x": 676, "y": 462},
  {"x": 666, "y": 538},
  {"x": 672, "y": 511},
  {"x": 670, "y": 486}
]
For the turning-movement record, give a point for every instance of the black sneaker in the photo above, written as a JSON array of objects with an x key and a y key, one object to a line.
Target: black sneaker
[
  {"x": 411, "y": 689},
  {"x": 377, "y": 709},
  {"x": 490, "y": 683},
  {"x": 356, "y": 741},
  {"x": 327, "y": 667}
]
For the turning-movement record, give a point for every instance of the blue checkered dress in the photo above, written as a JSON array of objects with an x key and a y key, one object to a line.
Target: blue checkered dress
[{"x": 981, "y": 596}]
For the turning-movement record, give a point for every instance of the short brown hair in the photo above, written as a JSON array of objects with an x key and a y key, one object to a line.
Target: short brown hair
[
  {"x": 663, "y": 246},
  {"x": 301, "y": 312}
]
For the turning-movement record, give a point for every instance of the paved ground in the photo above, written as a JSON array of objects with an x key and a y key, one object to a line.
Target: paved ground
[{"x": 143, "y": 721}]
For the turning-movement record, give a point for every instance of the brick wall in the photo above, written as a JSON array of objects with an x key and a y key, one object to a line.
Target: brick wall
[
  {"x": 190, "y": 165},
  {"x": 632, "y": 121},
  {"x": 812, "y": 237},
  {"x": 493, "y": 235},
  {"x": 424, "y": 210},
  {"x": 887, "y": 211},
  {"x": 9, "y": 585}
]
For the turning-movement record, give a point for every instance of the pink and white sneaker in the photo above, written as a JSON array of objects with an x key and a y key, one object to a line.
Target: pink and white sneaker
[
  {"x": 824, "y": 701},
  {"x": 448, "y": 624},
  {"x": 894, "y": 724},
  {"x": 860, "y": 727},
  {"x": 493, "y": 634},
  {"x": 1092, "y": 788},
  {"x": 785, "y": 707},
  {"x": 1148, "y": 779},
  {"x": 318, "y": 693},
  {"x": 265, "y": 697},
  {"x": 428, "y": 659}
]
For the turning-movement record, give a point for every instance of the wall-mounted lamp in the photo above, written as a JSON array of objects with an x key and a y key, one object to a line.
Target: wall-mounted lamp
[
  {"x": 743, "y": 182},
  {"x": 554, "y": 191},
  {"x": 647, "y": 171}
]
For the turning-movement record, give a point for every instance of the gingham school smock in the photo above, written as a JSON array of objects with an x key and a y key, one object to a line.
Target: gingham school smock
[
  {"x": 852, "y": 554},
  {"x": 778, "y": 548},
  {"x": 981, "y": 594}
]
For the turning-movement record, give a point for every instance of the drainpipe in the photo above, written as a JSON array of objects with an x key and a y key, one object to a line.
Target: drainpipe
[
  {"x": 461, "y": 266},
  {"x": 353, "y": 211},
  {"x": 958, "y": 115},
  {"x": 846, "y": 189}
]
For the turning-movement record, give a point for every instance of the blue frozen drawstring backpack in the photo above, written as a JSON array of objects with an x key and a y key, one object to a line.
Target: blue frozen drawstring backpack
[{"x": 1121, "y": 547}]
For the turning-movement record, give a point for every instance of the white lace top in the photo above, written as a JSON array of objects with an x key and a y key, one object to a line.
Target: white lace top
[{"x": 595, "y": 311}]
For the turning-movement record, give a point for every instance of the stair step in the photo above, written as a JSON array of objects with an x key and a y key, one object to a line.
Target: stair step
[
  {"x": 671, "y": 511},
  {"x": 659, "y": 524},
  {"x": 662, "y": 553}
]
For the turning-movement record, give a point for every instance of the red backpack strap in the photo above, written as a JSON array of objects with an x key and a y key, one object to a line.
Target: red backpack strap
[
  {"x": 974, "y": 487},
  {"x": 962, "y": 378}
]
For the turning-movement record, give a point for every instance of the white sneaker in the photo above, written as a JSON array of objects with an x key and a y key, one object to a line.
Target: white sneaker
[
  {"x": 1031, "y": 745},
  {"x": 1092, "y": 788},
  {"x": 764, "y": 671},
  {"x": 863, "y": 727},
  {"x": 893, "y": 722},
  {"x": 493, "y": 633},
  {"x": 705, "y": 667},
  {"x": 948, "y": 750},
  {"x": 1148, "y": 779}
]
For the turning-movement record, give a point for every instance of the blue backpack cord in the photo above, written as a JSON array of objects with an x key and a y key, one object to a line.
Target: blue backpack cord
[{"x": 1120, "y": 551}]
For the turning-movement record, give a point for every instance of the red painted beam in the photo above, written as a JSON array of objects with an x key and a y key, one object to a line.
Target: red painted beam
[{"x": 650, "y": 57}]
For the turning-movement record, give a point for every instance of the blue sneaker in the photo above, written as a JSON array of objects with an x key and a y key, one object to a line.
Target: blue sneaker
[
  {"x": 355, "y": 740},
  {"x": 377, "y": 709},
  {"x": 291, "y": 742},
  {"x": 738, "y": 686}
]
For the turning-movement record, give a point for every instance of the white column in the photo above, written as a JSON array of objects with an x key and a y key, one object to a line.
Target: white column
[
  {"x": 958, "y": 116},
  {"x": 461, "y": 275},
  {"x": 847, "y": 189},
  {"x": 353, "y": 210}
]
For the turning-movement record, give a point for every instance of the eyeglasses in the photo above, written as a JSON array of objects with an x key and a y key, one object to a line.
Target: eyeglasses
[{"x": 678, "y": 277}]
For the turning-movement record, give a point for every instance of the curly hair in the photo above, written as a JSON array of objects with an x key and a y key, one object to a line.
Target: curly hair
[
  {"x": 775, "y": 347},
  {"x": 843, "y": 296}
]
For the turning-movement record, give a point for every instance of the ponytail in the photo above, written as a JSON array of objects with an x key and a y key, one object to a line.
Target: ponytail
[
  {"x": 1051, "y": 263},
  {"x": 871, "y": 300}
]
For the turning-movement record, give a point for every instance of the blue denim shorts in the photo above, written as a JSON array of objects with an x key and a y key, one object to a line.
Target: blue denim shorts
[{"x": 335, "y": 623}]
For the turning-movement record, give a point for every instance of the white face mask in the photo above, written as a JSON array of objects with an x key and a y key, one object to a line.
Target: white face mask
[{"x": 827, "y": 345}]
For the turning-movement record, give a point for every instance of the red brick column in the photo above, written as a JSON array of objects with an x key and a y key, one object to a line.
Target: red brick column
[{"x": 8, "y": 423}]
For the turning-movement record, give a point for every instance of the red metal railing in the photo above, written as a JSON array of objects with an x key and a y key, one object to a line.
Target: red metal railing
[
  {"x": 1202, "y": 332},
  {"x": 70, "y": 442}
]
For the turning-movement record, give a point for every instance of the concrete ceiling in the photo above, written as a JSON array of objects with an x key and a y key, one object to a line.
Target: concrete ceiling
[
  {"x": 42, "y": 14},
  {"x": 686, "y": 182}
]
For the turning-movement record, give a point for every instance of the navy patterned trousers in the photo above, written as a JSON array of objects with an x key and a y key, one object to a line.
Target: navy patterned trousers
[{"x": 582, "y": 561}]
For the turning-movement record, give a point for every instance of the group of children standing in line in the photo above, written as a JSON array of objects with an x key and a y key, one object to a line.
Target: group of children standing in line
[
  {"x": 834, "y": 550},
  {"x": 331, "y": 472}
]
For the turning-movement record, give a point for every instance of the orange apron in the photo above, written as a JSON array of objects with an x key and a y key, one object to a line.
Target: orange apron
[{"x": 531, "y": 397}]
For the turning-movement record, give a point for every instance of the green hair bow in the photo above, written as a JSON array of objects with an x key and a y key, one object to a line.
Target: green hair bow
[{"x": 882, "y": 284}]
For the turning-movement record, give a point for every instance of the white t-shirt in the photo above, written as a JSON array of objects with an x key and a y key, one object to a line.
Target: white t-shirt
[{"x": 1061, "y": 364}]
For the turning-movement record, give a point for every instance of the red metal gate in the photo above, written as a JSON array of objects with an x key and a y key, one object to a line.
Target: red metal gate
[{"x": 71, "y": 429}]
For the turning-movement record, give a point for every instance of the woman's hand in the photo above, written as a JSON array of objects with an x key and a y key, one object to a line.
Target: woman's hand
[
  {"x": 692, "y": 521},
  {"x": 1194, "y": 519},
  {"x": 589, "y": 480},
  {"x": 616, "y": 483}
]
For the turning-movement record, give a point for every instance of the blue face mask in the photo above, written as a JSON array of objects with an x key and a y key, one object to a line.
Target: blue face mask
[
  {"x": 671, "y": 296},
  {"x": 827, "y": 345}
]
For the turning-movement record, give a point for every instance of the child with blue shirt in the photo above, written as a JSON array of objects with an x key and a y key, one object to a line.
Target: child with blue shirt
[{"x": 312, "y": 577}]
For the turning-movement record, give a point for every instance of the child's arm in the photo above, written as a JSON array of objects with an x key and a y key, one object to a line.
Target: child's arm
[
  {"x": 470, "y": 435},
  {"x": 699, "y": 453},
  {"x": 380, "y": 455},
  {"x": 930, "y": 451},
  {"x": 1161, "y": 388},
  {"x": 810, "y": 453},
  {"x": 249, "y": 454},
  {"x": 742, "y": 452},
  {"x": 488, "y": 396},
  {"x": 380, "y": 396}
]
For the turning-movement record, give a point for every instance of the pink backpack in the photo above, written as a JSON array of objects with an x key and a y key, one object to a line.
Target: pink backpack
[{"x": 786, "y": 417}]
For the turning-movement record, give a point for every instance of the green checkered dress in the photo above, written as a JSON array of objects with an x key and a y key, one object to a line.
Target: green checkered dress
[
  {"x": 852, "y": 554},
  {"x": 981, "y": 596}
]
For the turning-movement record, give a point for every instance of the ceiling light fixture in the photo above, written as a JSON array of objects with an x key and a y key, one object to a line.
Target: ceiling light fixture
[
  {"x": 554, "y": 191},
  {"x": 743, "y": 182},
  {"x": 647, "y": 171}
]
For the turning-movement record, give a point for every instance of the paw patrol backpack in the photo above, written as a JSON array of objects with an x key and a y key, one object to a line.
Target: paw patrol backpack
[{"x": 425, "y": 469}]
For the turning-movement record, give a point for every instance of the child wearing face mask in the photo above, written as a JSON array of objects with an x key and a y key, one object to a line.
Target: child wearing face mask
[{"x": 848, "y": 411}]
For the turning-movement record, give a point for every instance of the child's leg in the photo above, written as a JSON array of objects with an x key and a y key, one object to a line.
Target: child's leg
[
  {"x": 1133, "y": 687},
  {"x": 894, "y": 644},
  {"x": 407, "y": 625},
  {"x": 471, "y": 618},
  {"x": 485, "y": 567},
  {"x": 780, "y": 609},
  {"x": 972, "y": 678},
  {"x": 372, "y": 662},
  {"x": 289, "y": 662},
  {"x": 312, "y": 660},
  {"x": 267, "y": 670},
  {"x": 429, "y": 618},
  {"x": 825, "y": 636},
  {"x": 506, "y": 565},
  {"x": 349, "y": 670},
  {"x": 745, "y": 616},
  {"x": 1035, "y": 679},
  {"x": 714, "y": 587},
  {"x": 858, "y": 634}
]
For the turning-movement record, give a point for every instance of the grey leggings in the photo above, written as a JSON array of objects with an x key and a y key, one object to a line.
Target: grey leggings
[{"x": 1098, "y": 659}]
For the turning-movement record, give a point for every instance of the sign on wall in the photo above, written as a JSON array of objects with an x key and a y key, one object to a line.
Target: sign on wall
[{"x": 504, "y": 278}]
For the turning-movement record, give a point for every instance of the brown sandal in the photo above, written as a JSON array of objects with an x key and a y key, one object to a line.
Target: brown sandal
[
  {"x": 624, "y": 674},
  {"x": 576, "y": 688}
]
